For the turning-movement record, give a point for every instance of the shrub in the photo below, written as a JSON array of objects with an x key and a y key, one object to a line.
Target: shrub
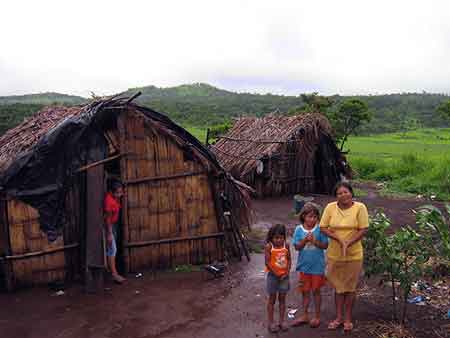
[{"x": 402, "y": 256}]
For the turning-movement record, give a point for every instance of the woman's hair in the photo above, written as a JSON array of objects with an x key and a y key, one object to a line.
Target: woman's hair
[
  {"x": 342, "y": 184},
  {"x": 308, "y": 208},
  {"x": 113, "y": 185},
  {"x": 277, "y": 229}
]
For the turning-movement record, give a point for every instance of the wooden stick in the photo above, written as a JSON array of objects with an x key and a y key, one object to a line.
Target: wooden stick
[
  {"x": 94, "y": 164},
  {"x": 166, "y": 177},
  {"x": 171, "y": 240},
  {"x": 121, "y": 127},
  {"x": 40, "y": 253}
]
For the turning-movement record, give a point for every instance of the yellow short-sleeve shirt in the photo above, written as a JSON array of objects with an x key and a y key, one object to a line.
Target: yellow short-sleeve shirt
[{"x": 345, "y": 222}]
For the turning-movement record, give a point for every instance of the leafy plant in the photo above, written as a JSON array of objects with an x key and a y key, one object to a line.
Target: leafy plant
[{"x": 402, "y": 255}]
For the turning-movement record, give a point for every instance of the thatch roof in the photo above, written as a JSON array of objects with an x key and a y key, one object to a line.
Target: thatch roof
[
  {"x": 19, "y": 140},
  {"x": 252, "y": 139}
]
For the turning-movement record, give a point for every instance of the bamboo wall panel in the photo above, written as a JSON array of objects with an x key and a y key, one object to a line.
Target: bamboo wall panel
[
  {"x": 167, "y": 208},
  {"x": 73, "y": 232},
  {"x": 26, "y": 237}
]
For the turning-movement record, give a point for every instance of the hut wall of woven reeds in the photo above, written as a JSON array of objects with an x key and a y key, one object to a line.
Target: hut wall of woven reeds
[
  {"x": 282, "y": 155},
  {"x": 53, "y": 180}
]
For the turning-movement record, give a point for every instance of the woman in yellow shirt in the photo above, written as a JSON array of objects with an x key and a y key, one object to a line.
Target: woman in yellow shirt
[{"x": 345, "y": 222}]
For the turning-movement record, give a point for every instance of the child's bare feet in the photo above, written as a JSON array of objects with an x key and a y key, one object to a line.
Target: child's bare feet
[
  {"x": 303, "y": 319},
  {"x": 284, "y": 326},
  {"x": 315, "y": 322},
  {"x": 118, "y": 279},
  {"x": 273, "y": 328}
]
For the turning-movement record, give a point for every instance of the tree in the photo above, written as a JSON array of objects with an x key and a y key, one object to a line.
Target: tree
[
  {"x": 409, "y": 124},
  {"x": 315, "y": 103},
  {"x": 444, "y": 109},
  {"x": 351, "y": 114}
]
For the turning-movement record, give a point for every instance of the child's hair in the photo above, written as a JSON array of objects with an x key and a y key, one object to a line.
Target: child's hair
[
  {"x": 114, "y": 184},
  {"x": 277, "y": 229},
  {"x": 308, "y": 208}
]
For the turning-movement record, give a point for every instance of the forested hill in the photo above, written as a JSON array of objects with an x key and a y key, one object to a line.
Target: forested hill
[
  {"x": 204, "y": 105},
  {"x": 42, "y": 99}
]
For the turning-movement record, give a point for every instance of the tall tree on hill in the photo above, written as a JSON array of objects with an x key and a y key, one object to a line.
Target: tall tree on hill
[
  {"x": 315, "y": 103},
  {"x": 350, "y": 115},
  {"x": 444, "y": 110}
]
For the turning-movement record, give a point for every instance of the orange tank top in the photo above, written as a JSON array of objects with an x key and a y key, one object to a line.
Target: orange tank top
[{"x": 278, "y": 260}]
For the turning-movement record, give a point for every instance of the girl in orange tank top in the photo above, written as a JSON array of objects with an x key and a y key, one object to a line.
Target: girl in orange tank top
[{"x": 278, "y": 265}]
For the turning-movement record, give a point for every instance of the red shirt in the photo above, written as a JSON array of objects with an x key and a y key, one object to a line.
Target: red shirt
[{"x": 112, "y": 209}]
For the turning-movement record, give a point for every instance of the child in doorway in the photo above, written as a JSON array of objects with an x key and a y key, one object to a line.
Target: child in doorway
[
  {"x": 310, "y": 243},
  {"x": 278, "y": 265}
]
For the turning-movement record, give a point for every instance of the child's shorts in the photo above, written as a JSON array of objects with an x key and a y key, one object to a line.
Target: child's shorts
[
  {"x": 309, "y": 282},
  {"x": 111, "y": 250},
  {"x": 275, "y": 284}
]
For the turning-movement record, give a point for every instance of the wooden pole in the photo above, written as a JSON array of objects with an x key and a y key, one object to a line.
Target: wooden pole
[
  {"x": 94, "y": 164},
  {"x": 121, "y": 120},
  {"x": 172, "y": 240},
  {"x": 39, "y": 253},
  {"x": 162, "y": 178}
]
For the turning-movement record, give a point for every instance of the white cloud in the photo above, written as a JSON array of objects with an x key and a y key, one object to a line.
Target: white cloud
[{"x": 344, "y": 47}]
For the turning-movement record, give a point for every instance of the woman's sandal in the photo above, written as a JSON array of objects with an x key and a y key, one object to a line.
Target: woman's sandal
[
  {"x": 334, "y": 325},
  {"x": 348, "y": 326},
  {"x": 314, "y": 323}
]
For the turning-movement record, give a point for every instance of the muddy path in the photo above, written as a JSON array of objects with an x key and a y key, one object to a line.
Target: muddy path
[{"x": 175, "y": 305}]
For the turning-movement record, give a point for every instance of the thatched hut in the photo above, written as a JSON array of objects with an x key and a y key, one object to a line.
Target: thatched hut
[
  {"x": 53, "y": 173},
  {"x": 278, "y": 155}
]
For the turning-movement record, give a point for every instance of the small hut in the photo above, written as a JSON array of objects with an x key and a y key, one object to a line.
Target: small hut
[
  {"x": 281, "y": 155},
  {"x": 53, "y": 173}
]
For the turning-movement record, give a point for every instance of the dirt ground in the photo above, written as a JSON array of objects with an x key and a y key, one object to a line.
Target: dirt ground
[{"x": 176, "y": 305}]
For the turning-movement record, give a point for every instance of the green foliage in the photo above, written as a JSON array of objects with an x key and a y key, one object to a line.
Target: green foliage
[
  {"x": 14, "y": 109},
  {"x": 444, "y": 109},
  {"x": 44, "y": 99},
  {"x": 218, "y": 130},
  {"x": 315, "y": 103},
  {"x": 401, "y": 256},
  {"x": 346, "y": 120},
  {"x": 14, "y": 114}
]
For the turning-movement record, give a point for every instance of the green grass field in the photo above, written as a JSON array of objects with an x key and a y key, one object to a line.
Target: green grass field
[
  {"x": 199, "y": 133},
  {"x": 415, "y": 162}
]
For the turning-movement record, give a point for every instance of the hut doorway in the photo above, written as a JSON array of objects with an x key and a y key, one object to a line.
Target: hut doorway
[
  {"x": 97, "y": 182},
  {"x": 113, "y": 173}
]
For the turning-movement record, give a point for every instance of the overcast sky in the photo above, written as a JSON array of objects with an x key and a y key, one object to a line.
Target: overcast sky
[{"x": 285, "y": 47}]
